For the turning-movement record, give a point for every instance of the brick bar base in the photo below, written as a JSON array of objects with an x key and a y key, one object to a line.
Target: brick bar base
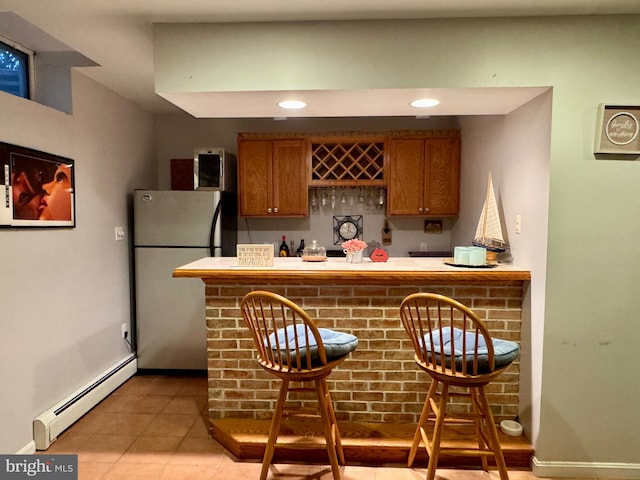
[{"x": 380, "y": 381}]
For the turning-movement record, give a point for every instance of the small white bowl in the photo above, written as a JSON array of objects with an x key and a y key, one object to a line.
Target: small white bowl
[{"x": 511, "y": 428}]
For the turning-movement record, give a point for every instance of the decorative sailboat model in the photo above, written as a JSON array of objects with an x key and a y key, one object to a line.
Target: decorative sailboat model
[{"x": 489, "y": 232}]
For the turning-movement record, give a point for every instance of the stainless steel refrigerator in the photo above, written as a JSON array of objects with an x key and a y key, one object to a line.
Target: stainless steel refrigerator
[{"x": 172, "y": 228}]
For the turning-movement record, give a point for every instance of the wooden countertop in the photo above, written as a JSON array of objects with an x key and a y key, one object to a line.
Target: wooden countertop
[{"x": 397, "y": 270}]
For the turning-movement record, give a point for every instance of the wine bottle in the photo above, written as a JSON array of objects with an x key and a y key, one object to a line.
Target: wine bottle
[
  {"x": 284, "y": 248},
  {"x": 300, "y": 249}
]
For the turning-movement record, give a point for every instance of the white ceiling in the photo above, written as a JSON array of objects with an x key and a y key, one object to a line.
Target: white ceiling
[{"x": 117, "y": 35}]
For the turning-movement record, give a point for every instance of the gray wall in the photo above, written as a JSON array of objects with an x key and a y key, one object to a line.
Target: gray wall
[
  {"x": 589, "y": 299},
  {"x": 65, "y": 292}
]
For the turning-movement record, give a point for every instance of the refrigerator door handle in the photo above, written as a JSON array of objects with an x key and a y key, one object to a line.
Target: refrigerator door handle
[{"x": 214, "y": 236}]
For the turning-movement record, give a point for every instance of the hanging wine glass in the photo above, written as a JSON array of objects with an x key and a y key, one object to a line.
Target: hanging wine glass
[
  {"x": 314, "y": 199},
  {"x": 361, "y": 196},
  {"x": 343, "y": 198},
  {"x": 381, "y": 197},
  {"x": 323, "y": 200},
  {"x": 333, "y": 199}
]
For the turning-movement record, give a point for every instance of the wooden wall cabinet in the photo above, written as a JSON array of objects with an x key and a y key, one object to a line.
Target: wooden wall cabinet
[
  {"x": 424, "y": 176},
  {"x": 272, "y": 177}
]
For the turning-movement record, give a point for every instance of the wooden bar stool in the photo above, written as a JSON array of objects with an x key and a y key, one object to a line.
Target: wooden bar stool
[
  {"x": 454, "y": 347},
  {"x": 291, "y": 347}
]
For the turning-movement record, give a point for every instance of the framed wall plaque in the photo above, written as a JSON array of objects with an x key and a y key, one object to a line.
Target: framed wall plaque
[
  {"x": 255, "y": 255},
  {"x": 618, "y": 129}
]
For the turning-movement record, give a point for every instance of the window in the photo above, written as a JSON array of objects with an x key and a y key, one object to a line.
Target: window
[
  {"x": 14, "y": 70},
  {"x": 35, "y": 65}
]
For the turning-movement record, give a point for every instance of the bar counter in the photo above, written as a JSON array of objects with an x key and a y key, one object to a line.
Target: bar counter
[
  {"x": 379, "y": 386},
  {"x": 398, "y": 270}
]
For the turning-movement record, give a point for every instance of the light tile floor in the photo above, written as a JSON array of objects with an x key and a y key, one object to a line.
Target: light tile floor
[{"x": 155, "y": 427}]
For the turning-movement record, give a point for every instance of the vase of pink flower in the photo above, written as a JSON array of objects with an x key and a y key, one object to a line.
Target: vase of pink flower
[{"x": 353, "y": 249}]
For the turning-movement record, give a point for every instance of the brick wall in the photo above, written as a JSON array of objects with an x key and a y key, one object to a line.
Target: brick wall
[{"x": 379, "y": 382}]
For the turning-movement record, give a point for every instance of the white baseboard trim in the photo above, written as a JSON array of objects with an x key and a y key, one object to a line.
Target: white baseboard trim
[
  {"x": 28, "y": 449},
  {"x": 619, "y": 471},
  {"x": 52, "y": 422}
]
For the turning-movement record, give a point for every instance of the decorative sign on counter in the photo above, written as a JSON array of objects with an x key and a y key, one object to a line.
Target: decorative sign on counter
[
  {"x": 254, "y": 255},
  {"x": 618, "y": 129}
]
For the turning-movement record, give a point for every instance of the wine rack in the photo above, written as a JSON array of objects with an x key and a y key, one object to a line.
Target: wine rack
[{"x": 347, "y": 162}]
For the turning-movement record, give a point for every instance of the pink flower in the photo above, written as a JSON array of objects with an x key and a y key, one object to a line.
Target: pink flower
[{"x": 354, "y": 245}]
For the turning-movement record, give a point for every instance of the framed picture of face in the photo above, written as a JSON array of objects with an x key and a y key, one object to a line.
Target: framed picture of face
[{"x": 39, "y": 188}]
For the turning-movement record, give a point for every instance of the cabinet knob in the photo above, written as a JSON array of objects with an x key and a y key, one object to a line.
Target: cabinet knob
[
  {"x": 420, "y": 209},
  {"x": 269, "y": 210},
  {"x": 275, "y": 210}
]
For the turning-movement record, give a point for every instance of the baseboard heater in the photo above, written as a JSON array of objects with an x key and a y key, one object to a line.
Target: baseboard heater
[{"x": 51, "y": 423}]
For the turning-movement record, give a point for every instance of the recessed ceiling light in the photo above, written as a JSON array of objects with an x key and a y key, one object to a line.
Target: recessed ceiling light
[
  {"x": 292, "y": 104},
  {"x": 425, "y": 103}
]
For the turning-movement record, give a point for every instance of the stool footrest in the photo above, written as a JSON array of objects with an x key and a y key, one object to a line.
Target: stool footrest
[
  {"x": 467, "y": 452},
  {"x": 301, "y": 412},
  {"x": 457, "y": 420}
]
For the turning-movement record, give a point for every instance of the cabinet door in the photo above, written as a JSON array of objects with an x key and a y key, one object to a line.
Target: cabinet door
[
  {"x": 442, "y": 187},
  {"x": 406, "y": 176},
  {"x": 290, "y": 191},
  {"x": 254, "y": 177}
]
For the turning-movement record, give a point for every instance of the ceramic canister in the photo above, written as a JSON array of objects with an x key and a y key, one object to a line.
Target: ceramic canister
[{"x": 461, "y": 255}]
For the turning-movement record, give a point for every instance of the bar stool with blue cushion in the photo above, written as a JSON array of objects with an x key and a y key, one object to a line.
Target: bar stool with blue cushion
[
  {"x": 454, "y": 347},
  {"x": 291, "y": 347}
]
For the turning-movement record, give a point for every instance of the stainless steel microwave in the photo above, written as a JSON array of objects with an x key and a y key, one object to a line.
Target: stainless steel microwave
[{"x": 214, "y": 169}]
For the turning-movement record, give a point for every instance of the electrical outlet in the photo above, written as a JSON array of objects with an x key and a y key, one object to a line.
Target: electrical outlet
[
  {"x": 119, "y": 234},
  {"x": 125, "y": 330}
]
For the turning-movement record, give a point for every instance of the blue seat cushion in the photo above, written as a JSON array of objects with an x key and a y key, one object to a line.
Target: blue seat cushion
[
  {"x": 504, "y": 351},
  {"x": 336, "y": 344}
]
